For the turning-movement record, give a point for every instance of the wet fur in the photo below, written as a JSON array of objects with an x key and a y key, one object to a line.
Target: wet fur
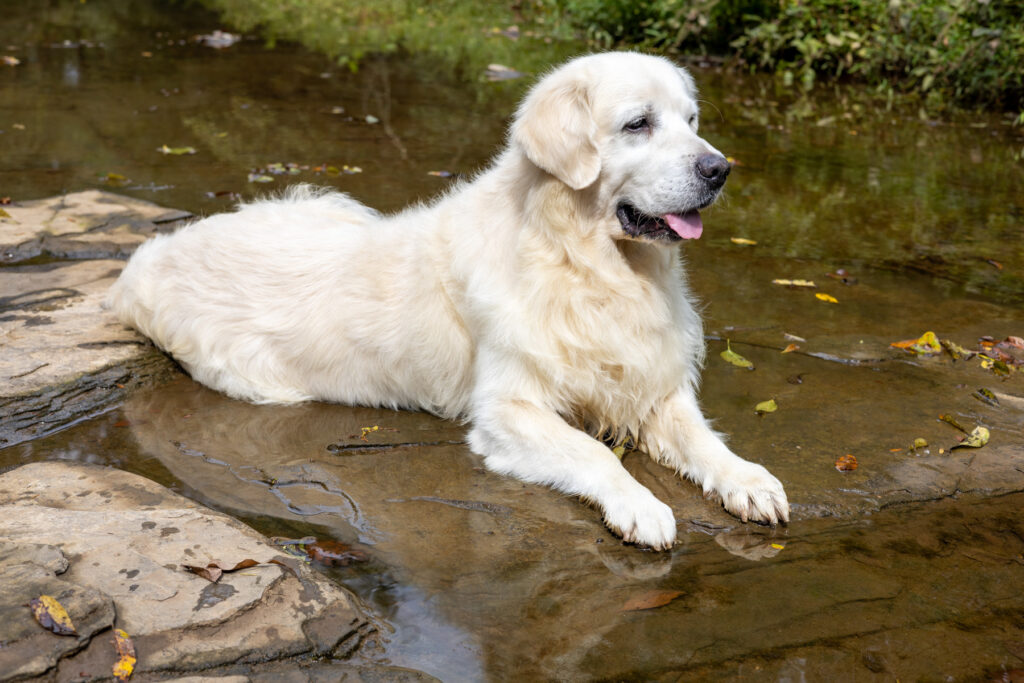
[{"x": 514, "y": 302}]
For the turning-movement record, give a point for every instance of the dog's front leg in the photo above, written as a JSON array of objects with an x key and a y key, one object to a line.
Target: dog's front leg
[
  {"x": 678, "y": 436},
  {"x": 535, "y": 444}
]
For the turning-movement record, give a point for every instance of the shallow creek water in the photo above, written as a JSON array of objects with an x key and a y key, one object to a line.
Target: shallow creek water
[{"x": 885, "y": 573}]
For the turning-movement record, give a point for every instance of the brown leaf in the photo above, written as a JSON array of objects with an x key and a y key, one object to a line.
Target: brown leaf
[
  {"x": 650, "y": 600},
  {"x": 334, "y": 554},
  {"x": 790, "y": 348},
  {"x": 214, "y": 570}
]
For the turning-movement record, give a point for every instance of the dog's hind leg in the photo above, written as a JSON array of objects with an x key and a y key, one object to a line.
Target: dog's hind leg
[
  {"x": 677, "y": 435},
  {"x": 535, "y": 444}
]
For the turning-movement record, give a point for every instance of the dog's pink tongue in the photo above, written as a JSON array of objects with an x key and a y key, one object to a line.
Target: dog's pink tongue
[{"x": 687, "y": 225}]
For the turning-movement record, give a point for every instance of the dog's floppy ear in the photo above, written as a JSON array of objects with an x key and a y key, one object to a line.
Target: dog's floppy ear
[{"x": 555, "y": 128}]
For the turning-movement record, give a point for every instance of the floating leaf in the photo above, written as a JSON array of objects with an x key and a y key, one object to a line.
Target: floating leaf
[
  {"x": 650, "y": 600},
  {"x": 846, "y": 463},
  {"x": 957, "y": 352},
  {"x": 976, "y": 439},
  {"x": 115, "y": 179},
  {"x": 9, "y": 60},
  {"x": 794, "y": 283},
  {"x": 790, "y": 348},
  {"x": 926, "y": 345},
  {"x": 126, "y": 655},
  {"x": 736, "y": 359},
  {"x": 826, "y": 298},
  {"x": 371, "y": 119},
  {"x": 769, "y": 406},
  {"x": 792, "y": 337},
  {"x": 742, "y": 241},
  {"x": 260, "y": 178},
  {"x": 986, "y": 396},
  {"x": 950, "y": 420},
  {"x": 164, "y": 149},
  {"x": 52, "y": 616},
  {"x": 778, "y": 546},
  {"x": 920, "y": 443},
  {"x": 4, "y": 214}
]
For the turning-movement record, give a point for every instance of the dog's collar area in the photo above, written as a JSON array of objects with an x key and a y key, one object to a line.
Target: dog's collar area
[{"x": 668, "y": 228}]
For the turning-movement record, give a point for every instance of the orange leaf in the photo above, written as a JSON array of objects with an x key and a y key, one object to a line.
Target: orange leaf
[
  {"x": 790, "y": 348},
  {"x": 846, "y": 463}
]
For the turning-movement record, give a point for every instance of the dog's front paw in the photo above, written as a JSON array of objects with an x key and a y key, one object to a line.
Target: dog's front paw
[
  {"x": 642, "y": 519},
  {"x": 750, "y": 492}
]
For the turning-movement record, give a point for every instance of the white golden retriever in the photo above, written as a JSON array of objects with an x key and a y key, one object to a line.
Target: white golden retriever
[{"x": 544, "y": 301}]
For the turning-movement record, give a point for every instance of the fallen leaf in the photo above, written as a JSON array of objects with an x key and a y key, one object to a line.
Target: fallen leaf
[
  {"x": 925, "y": 345},
  {"x": 650, "y": 600},
  {"x": 52, "y": 616},
  {"x": 794, "y": 283},
  {"x": 778, "y": 546},
  {"x": 955, "y": 351},
  {"x": 218, "y": 40},
  {"x": 736, "y": 359},
  {"x": 846, "y": 463},
  {"x": 790, "y": 348},
  {"x": 126, "y": 655},
  {"x": 214, "y": 570},
  {"x": 10, "y": 60},
  {"x": 976, "y": 439},
  {"x": 843, "y": 276},
  {"x": 986, "y": 396},
  {"x": 950, "y": 420},
  {"x": 792, "y": 337},
  {"x": 4, "y": 214},
  {"x": 334, "y": 554},
  {"x": 371, "y": 119},
  {"x": 619, "y": 451},
  {"x": 260, "y": 178},
  {"x": 920, "y": 443},
  {"x": 826, "y": 298},
  {"x": 769, "y": 406},
  {"x": 743, "y": 241},
  {"x": 164, "y": 149},
  {"x": 500, "y": 72},
  {"x": 115, "y": 179},
  {"x": 996, "y": 264}
]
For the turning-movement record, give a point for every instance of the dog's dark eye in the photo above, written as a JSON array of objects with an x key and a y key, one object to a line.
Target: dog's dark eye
[{"x": 638, "y": 125}]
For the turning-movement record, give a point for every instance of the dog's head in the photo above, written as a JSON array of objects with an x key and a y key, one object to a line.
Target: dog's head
[{"x": 623, "y": 127}]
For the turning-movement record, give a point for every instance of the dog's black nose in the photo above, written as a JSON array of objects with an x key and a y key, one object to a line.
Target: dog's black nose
[{"x": 714, "y": 168}]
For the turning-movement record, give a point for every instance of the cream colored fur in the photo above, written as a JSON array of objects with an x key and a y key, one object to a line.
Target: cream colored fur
[{"x": 516, "y": 301}]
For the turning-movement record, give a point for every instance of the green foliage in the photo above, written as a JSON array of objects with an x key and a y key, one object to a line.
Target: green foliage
[
  {"x": 968, "y": 51},
  {"x": 950, "y": 51}
]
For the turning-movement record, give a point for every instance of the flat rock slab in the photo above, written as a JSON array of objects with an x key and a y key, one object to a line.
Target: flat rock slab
[
  {"x": 120, "y": 541},
  {"x": 62, "y": 356}
]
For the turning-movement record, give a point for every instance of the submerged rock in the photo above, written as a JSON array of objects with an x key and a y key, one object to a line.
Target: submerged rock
[{"x": 118, "y": 542}]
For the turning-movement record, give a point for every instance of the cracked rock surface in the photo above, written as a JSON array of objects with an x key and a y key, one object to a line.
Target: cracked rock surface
[{"x": 107, "y": 542}]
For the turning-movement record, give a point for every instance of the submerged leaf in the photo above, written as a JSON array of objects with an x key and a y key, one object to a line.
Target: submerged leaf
[
  {"x": 769, "y": 406},
  {"x": 742, "y": 241},
  {"x": 846, "y": 463},
  {"x": 986, "y": 396},
  {"x": 957, "y": 352},
  {"x": 736, "y": 359},
  {"x": 650, "y": 600},
  {"x": 52, "y": 616}
]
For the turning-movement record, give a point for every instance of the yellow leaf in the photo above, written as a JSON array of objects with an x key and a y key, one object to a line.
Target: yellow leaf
[
  {"x": 742, "y": 240},
  {"x": 926, "y": 345},
  {"x": 778, "y": 546},
  {"x": 52, "y": 616},
  {"x": 126, "y": 652},
  {"x": 976, "y": 439},
  {"x": 826, "y": 297},
  {"x": 619, "y": 451},
  {"x": 790, "y": 348},
  {"x": 736, "y": 359},
  {"x": 794, "y": 283},
  {"x": 769, "y": 406},
  {"x": 4, "y": 214}
]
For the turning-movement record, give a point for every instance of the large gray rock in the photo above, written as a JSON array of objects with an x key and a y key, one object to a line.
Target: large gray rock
[
  {"x": 62, "y": 356},
  {"x": 124, "y": 540}
]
